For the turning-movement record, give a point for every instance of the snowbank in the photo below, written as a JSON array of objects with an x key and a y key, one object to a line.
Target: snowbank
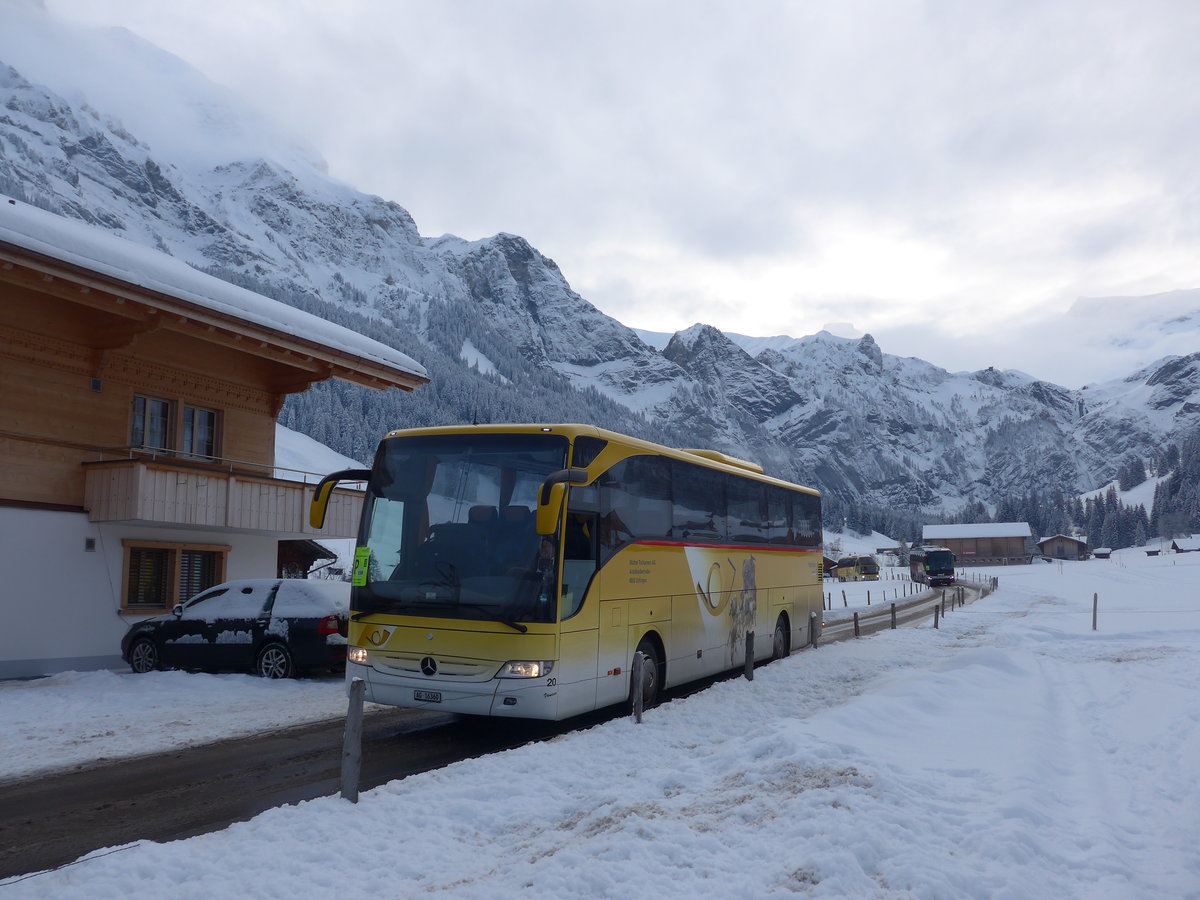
[{"x": 1015, "y": 752}]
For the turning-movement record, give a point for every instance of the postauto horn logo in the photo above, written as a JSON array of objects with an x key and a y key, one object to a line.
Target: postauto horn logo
[{"x": 377, "y": 637}]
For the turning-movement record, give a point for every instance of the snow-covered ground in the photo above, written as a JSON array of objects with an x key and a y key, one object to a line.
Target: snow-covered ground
[
  {"x": 1013, "y": 753},
  {"x": 75, "y": 718}
]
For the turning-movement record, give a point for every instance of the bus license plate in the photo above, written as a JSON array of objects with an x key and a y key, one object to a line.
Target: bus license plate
[{"x": 428, "y": 696}]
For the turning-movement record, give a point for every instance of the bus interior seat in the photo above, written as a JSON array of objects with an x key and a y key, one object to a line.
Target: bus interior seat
[
  {"x": 481, "y": 515},
  {"x": 458, "y": 544},
  {"x": 517, "y": 515},
  {"x": 514, "y": 539}
]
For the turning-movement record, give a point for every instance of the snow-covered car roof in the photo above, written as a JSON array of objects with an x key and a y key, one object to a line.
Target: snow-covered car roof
[{"x": 304, "y": 597}]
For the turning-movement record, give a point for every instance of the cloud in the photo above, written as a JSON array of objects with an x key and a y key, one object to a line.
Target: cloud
[{"x": 922, "y": 166}]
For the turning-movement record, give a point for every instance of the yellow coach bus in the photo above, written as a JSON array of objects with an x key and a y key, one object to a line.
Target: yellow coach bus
[{"x": 515, "y": 570}]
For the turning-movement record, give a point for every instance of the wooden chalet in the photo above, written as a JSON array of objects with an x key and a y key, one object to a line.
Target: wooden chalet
[
  {"x": 138, "y": 401},
  {"x": 985, "y": 543}
]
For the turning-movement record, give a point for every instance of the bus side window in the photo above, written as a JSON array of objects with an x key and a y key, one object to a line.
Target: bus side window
[
  {"x": 635, "y": 502},
  {"x": 580, "y": 540},
  {"x": 579, "y": 559}
]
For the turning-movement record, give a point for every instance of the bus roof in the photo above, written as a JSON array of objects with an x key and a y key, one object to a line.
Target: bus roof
[{"x": 711, "y": 459}]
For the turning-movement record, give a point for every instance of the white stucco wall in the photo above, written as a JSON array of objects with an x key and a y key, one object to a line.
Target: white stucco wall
[{"x": 61, "y": 603}]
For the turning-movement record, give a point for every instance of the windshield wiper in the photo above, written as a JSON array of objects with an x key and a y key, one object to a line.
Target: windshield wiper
[{"x": 503, "y": 620}]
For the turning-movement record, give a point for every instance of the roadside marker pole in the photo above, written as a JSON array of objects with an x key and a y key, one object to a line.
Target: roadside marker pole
[
  {"x": 639, "y": 665},
  {"x": 352, "y": 741}
]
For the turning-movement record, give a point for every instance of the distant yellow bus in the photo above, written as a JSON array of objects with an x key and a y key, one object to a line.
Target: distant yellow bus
[
  {"x": 858, "y": 568},
  {"x": 515, "y": 570}
]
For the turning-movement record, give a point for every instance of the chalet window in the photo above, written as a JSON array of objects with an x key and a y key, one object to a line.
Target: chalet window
[
  {"x": 197, "y": 571},
  {"x": 152, "y": 425},
  {"x": 199, "y": 431},
  {"x": 158, "y": 575},
  {"x": 149, "y": 580},
  {"x": 155, "y": 427}
]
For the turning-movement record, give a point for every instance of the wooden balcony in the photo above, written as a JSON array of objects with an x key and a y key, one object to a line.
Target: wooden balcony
[{"x": 221, "y": 495}]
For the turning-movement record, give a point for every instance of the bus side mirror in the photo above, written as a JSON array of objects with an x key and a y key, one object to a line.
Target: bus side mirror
[
  {"x": 550, "y": 498},
  {"x": 549, "y": 509},
  {"x": 319, "y": 504}
]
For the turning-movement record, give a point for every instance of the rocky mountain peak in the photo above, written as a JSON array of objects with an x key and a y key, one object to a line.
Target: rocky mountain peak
[
  {"x": 873, "y": 356},
  {"x": 498, "y": 321}
]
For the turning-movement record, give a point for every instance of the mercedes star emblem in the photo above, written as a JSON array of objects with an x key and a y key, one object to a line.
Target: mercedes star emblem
[{"x": 429, "y": 666}]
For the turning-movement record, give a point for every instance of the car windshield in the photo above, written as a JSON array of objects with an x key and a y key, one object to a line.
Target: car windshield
[{"x": 449, "y": 527}]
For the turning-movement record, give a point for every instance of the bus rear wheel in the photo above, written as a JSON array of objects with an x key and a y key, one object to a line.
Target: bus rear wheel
[
  {"x": 780, "y": 642},
  {"x": 651, "y": 685}
]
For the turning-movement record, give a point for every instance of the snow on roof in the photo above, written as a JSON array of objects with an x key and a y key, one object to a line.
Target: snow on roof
[
  {"x": 80, "y": 244},
  {"x": 1189, "y": 544},
  {"x": 1065, "y": 537},
  {"x": 979, "y": 530}
]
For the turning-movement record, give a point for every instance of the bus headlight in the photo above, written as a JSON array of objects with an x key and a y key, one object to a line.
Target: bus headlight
[
  {"x": 525, "y": 669},
  {"x": 357, "y": 655}
]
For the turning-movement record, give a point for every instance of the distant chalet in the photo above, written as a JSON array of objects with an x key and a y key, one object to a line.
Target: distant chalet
[
  {"x": 985, "y": 543},
  {"x": 1063, "y": 546}
]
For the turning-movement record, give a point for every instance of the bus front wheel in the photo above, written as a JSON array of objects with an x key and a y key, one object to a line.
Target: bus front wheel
[{"x": 651, "y": 685}]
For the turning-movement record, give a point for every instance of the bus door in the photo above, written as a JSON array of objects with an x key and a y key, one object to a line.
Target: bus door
[{"x": 579, "y": 619}]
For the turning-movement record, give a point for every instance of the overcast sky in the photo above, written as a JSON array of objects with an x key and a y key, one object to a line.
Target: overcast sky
[{"x": 939, "y": 174}]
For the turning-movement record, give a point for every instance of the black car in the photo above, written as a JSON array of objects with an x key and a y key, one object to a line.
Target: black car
[{"x": 274, "y": 627}]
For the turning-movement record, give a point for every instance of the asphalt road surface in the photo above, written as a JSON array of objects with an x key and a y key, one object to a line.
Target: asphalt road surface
[{"x": 49, "y": 821}]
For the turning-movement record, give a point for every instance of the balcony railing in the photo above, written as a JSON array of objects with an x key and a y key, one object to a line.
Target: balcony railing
[{"x": 163, "y": 488}]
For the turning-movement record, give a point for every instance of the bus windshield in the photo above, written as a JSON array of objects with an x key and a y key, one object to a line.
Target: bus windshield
[
  {"x": 449, "y": 526},
  {"x": 939, "y": 561}
]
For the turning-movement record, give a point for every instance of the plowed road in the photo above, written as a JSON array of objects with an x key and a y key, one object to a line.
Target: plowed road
[{"x": 53, "y": 820}]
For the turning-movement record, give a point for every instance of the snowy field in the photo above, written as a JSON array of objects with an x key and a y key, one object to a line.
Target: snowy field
[{"x": 1013, "y": 753}]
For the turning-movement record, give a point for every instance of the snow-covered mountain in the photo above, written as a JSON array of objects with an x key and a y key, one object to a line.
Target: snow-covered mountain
[{"x": 505, "y": 337}]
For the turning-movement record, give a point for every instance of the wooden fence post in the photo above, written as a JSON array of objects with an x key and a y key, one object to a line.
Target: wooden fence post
[
  {"x": 844, "y": 603},
  {"x": 893, "y": 617},
  {"x": 749, "y": 655},
  {"x": 813, "y": 629},
  {"x": 352, "y": 740},
  {"x": 935, "y": 615},
  {"x": 857, "y": 633},
  {"x": 1095, "y": 609}
]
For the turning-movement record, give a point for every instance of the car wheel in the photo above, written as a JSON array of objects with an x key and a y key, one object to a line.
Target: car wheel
[
  {"x": 143, "y": 656},
  {"x": 651, "y": 683},
  {"x": 274, "y": 661},
  {"x": 780, "y": 642}
]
